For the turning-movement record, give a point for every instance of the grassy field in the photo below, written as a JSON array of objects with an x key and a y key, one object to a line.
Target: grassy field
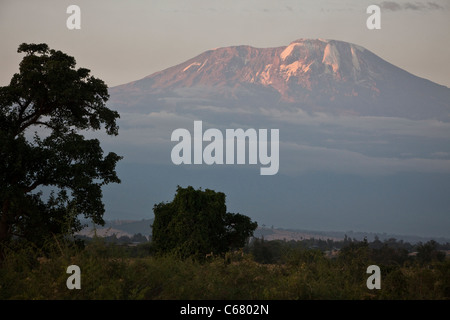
[{"x": 111, "y": 272}]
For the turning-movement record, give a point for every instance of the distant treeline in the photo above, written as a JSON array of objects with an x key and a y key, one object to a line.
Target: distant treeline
[
  {"x": 134, "y": 239},
  {"x": 389, "y": 251}
]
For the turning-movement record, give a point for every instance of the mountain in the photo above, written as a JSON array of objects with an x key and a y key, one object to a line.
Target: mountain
[
  {"x": 364, "y": 145},
  {"x": 319, "y": 75}
]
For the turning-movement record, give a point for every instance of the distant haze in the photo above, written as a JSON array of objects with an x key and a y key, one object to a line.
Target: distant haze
[{"x": 364, "y": 145}]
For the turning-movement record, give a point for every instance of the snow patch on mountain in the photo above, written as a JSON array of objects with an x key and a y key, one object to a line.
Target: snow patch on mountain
[
  {"x": 191, "y": 65},
  {"x": 287, "y": 52},
  {"x": 294, "y": 69},
  {"x": 331, "y": 57},
  {"x": 201, "y": 67},
  {"x": 265, "y": 77},
  {"x": 355, "y": 59}
]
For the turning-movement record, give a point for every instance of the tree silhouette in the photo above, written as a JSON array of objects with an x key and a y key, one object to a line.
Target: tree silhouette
[
  {"x": 196, "y": 223},
  {"x": 43, "y": 113},
  {"x": 428, "y": 252}
]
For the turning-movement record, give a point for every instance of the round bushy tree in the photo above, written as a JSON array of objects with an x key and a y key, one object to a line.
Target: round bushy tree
[{"x": 196, "y": 223}]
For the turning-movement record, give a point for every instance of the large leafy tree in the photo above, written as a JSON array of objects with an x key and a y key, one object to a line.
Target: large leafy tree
[
  {"x": 45, "y": 112},
  {"x": 196, "y": 223}
]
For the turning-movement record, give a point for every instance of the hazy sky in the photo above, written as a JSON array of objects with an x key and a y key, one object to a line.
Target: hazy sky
[{"x": 122, "y": 41}]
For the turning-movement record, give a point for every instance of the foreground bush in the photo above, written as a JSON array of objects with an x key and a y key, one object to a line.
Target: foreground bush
[{"x": 110, "y": 272}]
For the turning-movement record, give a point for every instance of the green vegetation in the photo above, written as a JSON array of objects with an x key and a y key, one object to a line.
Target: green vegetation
[
  {"x": 44, "y": 112},
  {"x": 261, "y": 270},
  {"x": 196, "y": 223}
]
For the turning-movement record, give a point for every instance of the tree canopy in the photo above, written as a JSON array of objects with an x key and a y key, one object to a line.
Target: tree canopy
[
  {"x": 44, "y": 112},
  {"x": 196, "y": 223}
]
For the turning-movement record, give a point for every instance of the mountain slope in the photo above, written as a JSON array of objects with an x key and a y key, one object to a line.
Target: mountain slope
[{"x": 327, "y": 76}]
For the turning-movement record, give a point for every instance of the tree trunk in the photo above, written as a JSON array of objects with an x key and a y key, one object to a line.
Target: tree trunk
[{"x": 4, "y": 230}]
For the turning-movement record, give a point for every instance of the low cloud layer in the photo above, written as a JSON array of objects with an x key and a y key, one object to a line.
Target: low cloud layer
[
  {"x": 416, "y": 6},
  {"x": 308, "y": 143}
]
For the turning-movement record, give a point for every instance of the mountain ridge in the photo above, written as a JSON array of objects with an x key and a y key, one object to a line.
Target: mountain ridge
[{"x": 315, "y": 75}]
